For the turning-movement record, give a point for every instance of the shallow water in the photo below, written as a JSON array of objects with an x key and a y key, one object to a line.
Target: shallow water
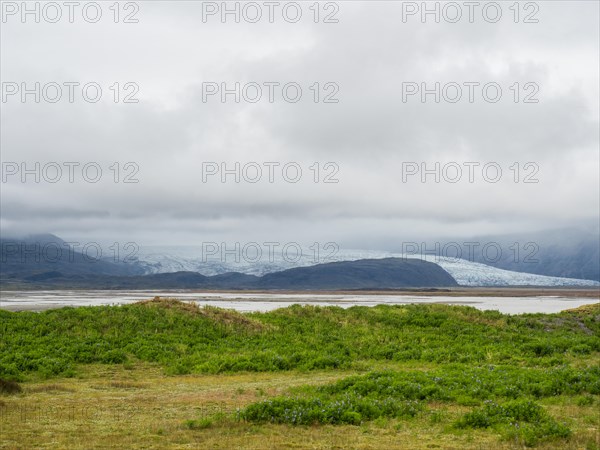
[{"x": 246, "y": 302}]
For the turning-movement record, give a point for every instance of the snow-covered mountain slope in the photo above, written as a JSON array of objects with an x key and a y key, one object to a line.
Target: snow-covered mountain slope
[{"x": 466, "y": 273}]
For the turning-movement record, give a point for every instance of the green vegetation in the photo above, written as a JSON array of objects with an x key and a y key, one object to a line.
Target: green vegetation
[
  {"x": 186, "y": 339},
  {"x": 523, "y": 420},
  {"x": 392, "y": 394},
  {"x": 450, "y": 368},
  {"x": 382, "y": 393}
]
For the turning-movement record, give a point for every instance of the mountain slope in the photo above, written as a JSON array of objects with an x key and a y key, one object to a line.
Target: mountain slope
[
  {"x": 24, "y": 263},
  {"x": 47, "y": 256},
  {"x": 389, "y": 273},
  {"x": 466, "y": 273}
]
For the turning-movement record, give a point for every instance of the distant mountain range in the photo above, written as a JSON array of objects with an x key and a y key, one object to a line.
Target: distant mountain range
[
  {"x": 24, "y": 263},
  {"x": 37, "y": 263}
]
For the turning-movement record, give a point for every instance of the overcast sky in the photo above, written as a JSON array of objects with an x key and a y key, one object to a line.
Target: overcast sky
[{"x": 370, "y": 136}]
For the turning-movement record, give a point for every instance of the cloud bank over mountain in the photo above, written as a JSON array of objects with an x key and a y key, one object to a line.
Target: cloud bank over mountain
[{"x": 370, "y": 134}]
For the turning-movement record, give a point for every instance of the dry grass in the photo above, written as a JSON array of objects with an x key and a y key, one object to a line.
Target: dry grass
[
  {"x": 586, "y": 309},
  {"x": 120, "y": 385},
  {"x": 51, "y": 387},
  {"x": 138, "y": 407},
  {"x": 227, "y": 317}
]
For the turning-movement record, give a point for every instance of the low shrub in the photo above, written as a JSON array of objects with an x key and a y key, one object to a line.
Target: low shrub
[
  {"x": 351, "y": 410},
  {"x": 9, "y": 387},
  {"x": 522, "y": 420},
  {"x": 199, "y": 424}
]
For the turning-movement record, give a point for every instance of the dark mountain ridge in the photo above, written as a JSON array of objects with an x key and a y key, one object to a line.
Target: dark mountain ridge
[{"x": 25, "y": 265}]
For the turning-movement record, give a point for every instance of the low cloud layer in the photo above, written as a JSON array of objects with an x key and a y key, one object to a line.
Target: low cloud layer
[{"x": 367, "y": 144}]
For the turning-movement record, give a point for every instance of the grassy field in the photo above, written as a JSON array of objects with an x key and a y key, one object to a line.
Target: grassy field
[{"x": 167, "y": 374}]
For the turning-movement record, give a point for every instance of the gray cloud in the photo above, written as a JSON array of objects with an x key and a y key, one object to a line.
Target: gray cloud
[{"x": 369, "y": 134}]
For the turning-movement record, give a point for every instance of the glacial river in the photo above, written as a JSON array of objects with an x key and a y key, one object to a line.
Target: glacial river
[{"x": 246, "y": 302}]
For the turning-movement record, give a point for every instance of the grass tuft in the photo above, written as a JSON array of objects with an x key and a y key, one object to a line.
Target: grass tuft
[{"x": 9, "y": 387}]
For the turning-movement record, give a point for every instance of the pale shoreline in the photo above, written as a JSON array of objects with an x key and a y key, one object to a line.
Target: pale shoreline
[{"x": 506, "y": 300}]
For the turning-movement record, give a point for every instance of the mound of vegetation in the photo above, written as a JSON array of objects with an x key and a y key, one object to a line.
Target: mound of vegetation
[
  {"x": 184, "y": 338},
  {"x": 226, "y": 317}
]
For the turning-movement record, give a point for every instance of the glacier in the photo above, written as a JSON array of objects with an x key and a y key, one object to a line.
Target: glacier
[{"x": 466, "y": 273}]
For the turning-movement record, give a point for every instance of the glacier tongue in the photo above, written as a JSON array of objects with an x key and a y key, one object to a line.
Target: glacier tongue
[{"x": 466, "y": 273}]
